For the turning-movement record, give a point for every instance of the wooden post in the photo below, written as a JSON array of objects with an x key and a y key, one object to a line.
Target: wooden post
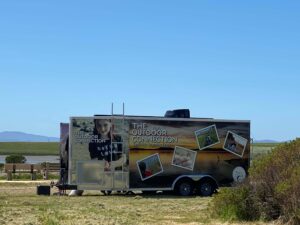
[
  {"x": 33, "y": 175},
  {"x": 47, "y": 171},
  {"x": 9, "y": 175}
]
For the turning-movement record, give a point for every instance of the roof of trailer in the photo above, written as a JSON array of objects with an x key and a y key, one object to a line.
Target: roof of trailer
[
  {"x": 156, "y": 116},
  {"x": 162, "y": 118}
]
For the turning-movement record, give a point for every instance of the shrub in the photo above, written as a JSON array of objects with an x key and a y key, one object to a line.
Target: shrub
[
  {"x": 235, "y": 204},
  {"x": 272, "y": 190},
  {"x": 15, "y": 159}
]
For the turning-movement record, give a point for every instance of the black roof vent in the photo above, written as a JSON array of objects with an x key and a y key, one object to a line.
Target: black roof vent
[{"x": 178, "y": 113}]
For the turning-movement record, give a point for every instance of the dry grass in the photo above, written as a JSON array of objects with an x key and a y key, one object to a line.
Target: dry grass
[{"x": 19, "y": 204}]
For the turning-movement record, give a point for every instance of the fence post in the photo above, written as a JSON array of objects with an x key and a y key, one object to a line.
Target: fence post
[
  {"x": 9, "y": 175},
  {"x": 33, "y": 175},
  {"x": 47, "y": 171}
]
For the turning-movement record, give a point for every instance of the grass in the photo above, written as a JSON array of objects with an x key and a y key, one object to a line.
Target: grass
[
  {"x": 52, "y": 148},
  {"x": 29, "y": 148},
  {"x": 265, "y": 144},
  {"x": 20, "y": 205},
  {"x": 260, "y": 149}
]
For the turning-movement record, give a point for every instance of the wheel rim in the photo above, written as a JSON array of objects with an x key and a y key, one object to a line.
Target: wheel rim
[
  {"x": 185, "y": 189},
  {"x": 206, "y": 189}
]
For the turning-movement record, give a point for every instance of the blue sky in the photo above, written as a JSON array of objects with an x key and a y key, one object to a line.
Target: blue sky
[{"x": 220, "y": 59}]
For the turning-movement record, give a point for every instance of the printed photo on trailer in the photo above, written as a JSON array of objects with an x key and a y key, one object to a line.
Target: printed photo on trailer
[
  {"x": 235, "y": 144},
  {"x": 149, "y": 166},
  {"x": 207, "y": 137},
  {"x": 184, "y": 158}
]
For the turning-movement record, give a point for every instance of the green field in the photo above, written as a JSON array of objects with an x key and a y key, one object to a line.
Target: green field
[
  {"x": 21, "y": 205},
  {"x": 29, "y": 148},
  {"x": 52, "y": 148},
  {"x": 258, "y": 149}
]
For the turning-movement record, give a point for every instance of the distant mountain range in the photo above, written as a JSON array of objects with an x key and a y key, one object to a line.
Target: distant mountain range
[{"x": 16, "y": 136}]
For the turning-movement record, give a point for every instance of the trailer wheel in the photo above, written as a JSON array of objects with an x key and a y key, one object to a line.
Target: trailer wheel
[
  {"x": 106, "y": 192},
  {"x": 206, "y": 188},
  {"x": 185, "y": 188}
]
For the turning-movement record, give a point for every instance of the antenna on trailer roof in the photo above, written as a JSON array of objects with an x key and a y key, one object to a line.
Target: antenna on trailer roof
[{"x": 123, "y": 109}]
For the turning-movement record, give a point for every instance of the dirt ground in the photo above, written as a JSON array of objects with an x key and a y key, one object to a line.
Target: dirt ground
[{"x": 19, "y": 204}]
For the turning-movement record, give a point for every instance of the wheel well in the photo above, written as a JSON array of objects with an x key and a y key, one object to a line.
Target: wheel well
[{"x": 184, "y": 179}]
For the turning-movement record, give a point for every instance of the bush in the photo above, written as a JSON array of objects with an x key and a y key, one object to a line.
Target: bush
[
  {"x": 272, "y": 190},
  {"x": 235, "y": 204},
  {"x": 15, "y": 159}
]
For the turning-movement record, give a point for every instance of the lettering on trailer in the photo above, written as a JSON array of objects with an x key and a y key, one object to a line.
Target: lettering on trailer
[
  {"x": 141, "y": 133},
  {"x": 85, "y": 138}
]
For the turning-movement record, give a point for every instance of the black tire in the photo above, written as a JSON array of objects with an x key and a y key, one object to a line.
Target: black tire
[
  {"x": 185, "y": 188},
  {"x": 106, "y": 192},
  {"x": 206, "y": 188}
]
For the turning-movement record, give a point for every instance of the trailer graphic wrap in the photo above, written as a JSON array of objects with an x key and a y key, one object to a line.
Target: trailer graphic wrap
[
  {"x": 184, "y": 158},
  {"x": 235, "y": 144},
  {"x": 178, "y": 145},
  {"x": 113, "y": 153},
  {"x": 207, "y": 137},
  {"x": 97, "y": 156},
  {"x": 149, "y": 166}
]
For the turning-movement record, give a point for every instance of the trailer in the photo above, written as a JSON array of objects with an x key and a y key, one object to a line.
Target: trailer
[{"x": 140, "y": 153}]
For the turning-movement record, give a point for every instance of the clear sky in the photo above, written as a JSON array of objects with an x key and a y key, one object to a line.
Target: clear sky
[{"x": 220, "y": 59}]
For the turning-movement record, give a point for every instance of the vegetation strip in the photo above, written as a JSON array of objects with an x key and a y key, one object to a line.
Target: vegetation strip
[{"x": 29, "y": 148}]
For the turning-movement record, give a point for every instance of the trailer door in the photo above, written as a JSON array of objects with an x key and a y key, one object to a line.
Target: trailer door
[{"x": 98, "y": 162}]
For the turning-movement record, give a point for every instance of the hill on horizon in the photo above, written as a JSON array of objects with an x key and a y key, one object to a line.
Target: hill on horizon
[{"x": 17, "y": 136}]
